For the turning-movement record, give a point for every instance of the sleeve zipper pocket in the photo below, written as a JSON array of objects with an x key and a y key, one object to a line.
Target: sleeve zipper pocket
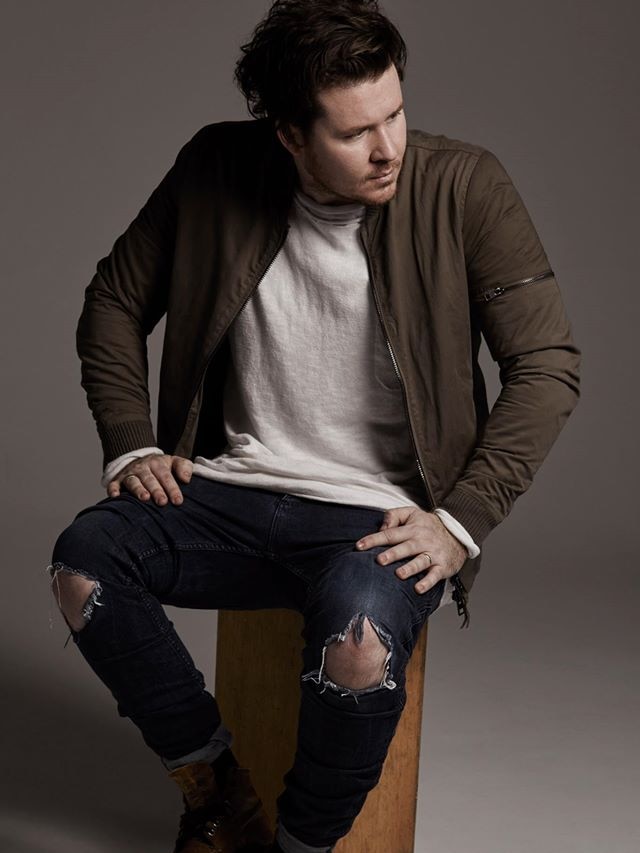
[{"x": 488, "y": 295}]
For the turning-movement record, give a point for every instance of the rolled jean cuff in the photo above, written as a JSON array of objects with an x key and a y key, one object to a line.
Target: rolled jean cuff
[
  {"x": 291, "y": 845},
  {"x": 220, "y": 740}
]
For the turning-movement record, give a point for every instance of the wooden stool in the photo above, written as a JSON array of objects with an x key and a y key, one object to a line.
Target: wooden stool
[{"x": 257, "y": 687}]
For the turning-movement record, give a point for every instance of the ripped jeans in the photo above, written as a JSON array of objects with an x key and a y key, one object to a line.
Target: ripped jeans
[{"x": 235, "y": 547}]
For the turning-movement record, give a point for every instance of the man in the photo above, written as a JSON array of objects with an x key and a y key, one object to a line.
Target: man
[{"x": 324, "y": 441}]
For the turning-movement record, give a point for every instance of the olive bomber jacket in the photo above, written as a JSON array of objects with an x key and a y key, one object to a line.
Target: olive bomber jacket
[{"x": 453, "y": 258}]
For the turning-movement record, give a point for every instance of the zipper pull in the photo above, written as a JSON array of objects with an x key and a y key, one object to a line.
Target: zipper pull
[
  {"x": 488, "y": 295},
  {"x": 459, "y": 595}
]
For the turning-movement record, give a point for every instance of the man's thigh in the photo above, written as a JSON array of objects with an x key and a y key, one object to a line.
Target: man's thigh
[
  {"x": 211, "y": 551},
  {"x": 346, "y": 586}
]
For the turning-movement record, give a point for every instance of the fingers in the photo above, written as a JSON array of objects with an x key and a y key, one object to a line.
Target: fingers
[
  {"x": 423, "y": 532},
  {"x": 428, "y": 582},
  {"x": 183, "y": 468},
  {"x": 166, "y": 486},
  {"x": 395, "y": 516},
  {"x": 423, "y": 562},
  {"x": 405, "y": 548},
  {"x": 424, "y": 539},
  {"x": 420, "y": 562},
  {"x": 143, "y": 485},
  {"x": 386, "y": 536},
  {"x": 152, "y": 478}
]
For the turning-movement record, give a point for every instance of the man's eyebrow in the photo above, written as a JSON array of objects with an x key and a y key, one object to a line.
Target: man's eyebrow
[{"x": 351, "y": 130}]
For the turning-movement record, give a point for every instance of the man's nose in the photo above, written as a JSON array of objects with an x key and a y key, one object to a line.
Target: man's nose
[{"x": 384, "y": 147}]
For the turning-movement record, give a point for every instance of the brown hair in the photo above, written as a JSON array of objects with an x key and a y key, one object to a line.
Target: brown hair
[{"x": 303, "y": 46}]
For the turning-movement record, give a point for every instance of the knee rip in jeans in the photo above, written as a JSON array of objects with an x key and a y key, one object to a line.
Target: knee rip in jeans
[
  {"x": 80, "y": 611},
  {"x": 357, "y": 626}
]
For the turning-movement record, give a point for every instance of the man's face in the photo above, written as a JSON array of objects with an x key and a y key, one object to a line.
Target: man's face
[{"x": 354, "y": 149}]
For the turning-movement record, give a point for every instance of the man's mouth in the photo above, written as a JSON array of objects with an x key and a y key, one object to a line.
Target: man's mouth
[{"x": 382, "y": 175}]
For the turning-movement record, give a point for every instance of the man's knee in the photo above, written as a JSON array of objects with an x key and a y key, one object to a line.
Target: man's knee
[
  {"x": 73, "y": 584},
  {"x": 76, "y": 595},
  {"x": 357, "y": 658}
]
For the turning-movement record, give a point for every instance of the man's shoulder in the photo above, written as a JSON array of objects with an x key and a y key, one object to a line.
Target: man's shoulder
[
  {"x": 229, "y": 134},
  {"x": 421, "y": 140},
  {"x": 450, "y": 159}
]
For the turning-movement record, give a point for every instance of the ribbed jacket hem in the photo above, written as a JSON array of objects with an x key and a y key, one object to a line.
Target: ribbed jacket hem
[{"x": 123, "y": 437}]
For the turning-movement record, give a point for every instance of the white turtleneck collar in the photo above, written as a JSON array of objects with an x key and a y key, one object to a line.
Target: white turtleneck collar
[{"x": 333, "y": 214}]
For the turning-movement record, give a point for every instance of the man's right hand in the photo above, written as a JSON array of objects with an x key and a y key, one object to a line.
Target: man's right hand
[{"x": 152, "y": 477}]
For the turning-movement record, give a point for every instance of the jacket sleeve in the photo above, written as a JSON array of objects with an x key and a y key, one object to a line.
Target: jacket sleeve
[
  {"x": 124, "y": 301},
  {"x": 517, "y": 306}
]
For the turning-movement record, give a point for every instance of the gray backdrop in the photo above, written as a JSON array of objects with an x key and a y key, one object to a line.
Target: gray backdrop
[{"x": 530, "y": 731}]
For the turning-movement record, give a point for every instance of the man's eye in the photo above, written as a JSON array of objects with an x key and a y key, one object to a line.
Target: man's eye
[{"x": 356, "y": 135}]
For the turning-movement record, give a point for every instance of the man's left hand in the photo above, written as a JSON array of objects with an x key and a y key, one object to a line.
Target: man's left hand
[{"x": 416, "y": 533}]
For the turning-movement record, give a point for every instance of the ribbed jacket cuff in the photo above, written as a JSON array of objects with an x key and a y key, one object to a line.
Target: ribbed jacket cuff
[
  {"x": 123, "y": 437},
  {"x": 472, "y": 515}
]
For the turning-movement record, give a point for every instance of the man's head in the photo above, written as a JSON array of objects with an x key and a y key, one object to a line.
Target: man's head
[{"x": 327, "y": 74}]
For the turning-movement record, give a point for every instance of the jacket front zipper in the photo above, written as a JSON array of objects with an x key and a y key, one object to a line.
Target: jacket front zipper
[
  {"x": 265, "y": 270},
  {"x": 488, "y": 295},
  {"x": 459, "y": 594}
]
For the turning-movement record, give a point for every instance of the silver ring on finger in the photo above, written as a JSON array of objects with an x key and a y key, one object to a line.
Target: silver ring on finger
[
  {"x": 129, "y": 476},
  {"x": 429, "y": 556}
]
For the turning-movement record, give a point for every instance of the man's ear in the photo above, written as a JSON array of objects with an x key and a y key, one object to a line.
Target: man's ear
[{"x": 291, "y": 137}]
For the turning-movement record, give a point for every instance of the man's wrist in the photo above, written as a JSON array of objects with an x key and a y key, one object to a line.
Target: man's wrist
[{"x": 456, "y": 529}]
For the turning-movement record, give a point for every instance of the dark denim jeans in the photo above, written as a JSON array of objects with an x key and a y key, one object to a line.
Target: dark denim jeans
[{"x": 235, "y": 547}]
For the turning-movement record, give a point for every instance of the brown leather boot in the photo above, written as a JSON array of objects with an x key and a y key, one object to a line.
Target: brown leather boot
[{"x": 231, "y": 820}]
